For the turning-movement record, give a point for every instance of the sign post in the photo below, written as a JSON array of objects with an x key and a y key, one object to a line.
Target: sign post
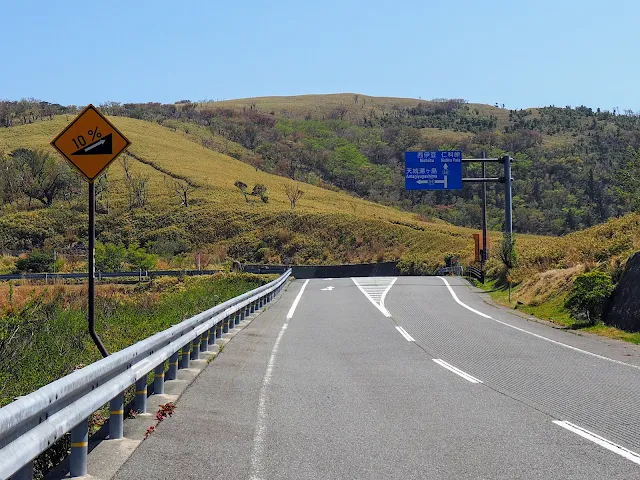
[
  {"x": 90, "y": 143},
  {"x": 442, "y": 170}
]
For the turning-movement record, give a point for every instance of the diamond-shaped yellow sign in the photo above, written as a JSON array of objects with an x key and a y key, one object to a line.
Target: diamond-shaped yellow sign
[{"x": 90, "y": 143}]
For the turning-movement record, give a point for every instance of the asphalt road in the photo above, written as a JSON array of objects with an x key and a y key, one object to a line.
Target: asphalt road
[{"x": 383, "y": 379}]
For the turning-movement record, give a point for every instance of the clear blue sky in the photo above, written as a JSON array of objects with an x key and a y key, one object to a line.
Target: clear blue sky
[{"x": 520, "y": 53}]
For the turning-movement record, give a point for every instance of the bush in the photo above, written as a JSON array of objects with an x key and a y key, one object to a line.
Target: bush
[
  {"x": 35, "y": 262},
  {"x": 109, "y": 257},
  {"x": 589, "y": 296},
  {"x": 414, "y": 265}
]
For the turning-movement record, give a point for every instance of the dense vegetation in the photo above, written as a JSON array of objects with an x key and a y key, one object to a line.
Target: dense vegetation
[
  {"x": 572, "y": 170},
  {"x": 43, "y": 331},
  {"x": 575, "y": 167}
]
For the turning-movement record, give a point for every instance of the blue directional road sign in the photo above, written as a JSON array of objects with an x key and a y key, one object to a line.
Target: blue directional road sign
[{"x": 433, "y": 170}]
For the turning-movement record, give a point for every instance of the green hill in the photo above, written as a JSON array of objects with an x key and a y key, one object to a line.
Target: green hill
[{"x": 325, "y": 226}]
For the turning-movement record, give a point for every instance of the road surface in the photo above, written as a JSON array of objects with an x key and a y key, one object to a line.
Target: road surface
[{"x": 407, "y": 378}]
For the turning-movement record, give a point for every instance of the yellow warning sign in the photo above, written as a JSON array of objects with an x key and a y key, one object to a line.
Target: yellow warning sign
[{"x": 90, "y": 143}]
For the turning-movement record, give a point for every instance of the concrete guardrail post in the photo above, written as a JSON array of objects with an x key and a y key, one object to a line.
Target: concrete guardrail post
[
  {"x": 158, "y": 379},
  {"x": 141, "y": 395},
  {"x": 184, "y": 356},
  {"x": 172, "y": 371},
  {"x": 116, "y": 416},
  {"x": 79, "y": 449}
]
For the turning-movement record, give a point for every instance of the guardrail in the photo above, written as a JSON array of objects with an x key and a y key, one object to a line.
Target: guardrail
[
  {"x": 458, "y": 270},
  {"x": 31, "y": 424},
  {"x": 100, "y": 275},
  {"x": 472, "y": 272}
]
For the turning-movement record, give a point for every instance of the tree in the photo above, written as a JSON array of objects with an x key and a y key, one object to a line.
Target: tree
[
  {"x": 629, "y": 187},
  {"x": 183, "y": 189},
  {"x": 42, "y": 177},
  {"x": 589, "y": 296},
  {"x": 259, "y": 190},
  {"x": 243, "y": 188},
  {"x": 508, "y": 257},
  {"x": 102, "y": 186},
  {"x": 293, "y": 192},
  {"x": 137, "y": 188},
  {"x": 9, "y": 180}
]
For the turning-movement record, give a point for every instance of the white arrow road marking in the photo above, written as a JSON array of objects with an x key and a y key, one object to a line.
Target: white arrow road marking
[
  {"x": 328, "y": 288},
  {"x": 603, "y": 442},
  {"x": 404, "y": 333},
  {"x": 91, "y": 147},
  {"x": 376, "y": 289},
  {"x": 455, "y": 370}
]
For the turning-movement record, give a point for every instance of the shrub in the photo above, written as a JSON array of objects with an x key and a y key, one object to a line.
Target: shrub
[
  {"x": 589, "y": 295},
  {"x": 109, "y": 257},
  {"x": 35, "y": 262}
]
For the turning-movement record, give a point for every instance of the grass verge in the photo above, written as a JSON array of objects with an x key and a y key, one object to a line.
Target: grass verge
[
  {"x": 46, "y": 337},
  {"x": 553, "y": 310}
]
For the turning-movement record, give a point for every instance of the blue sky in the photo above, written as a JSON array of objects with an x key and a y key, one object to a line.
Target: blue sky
[{"x": 520, "y": 53}]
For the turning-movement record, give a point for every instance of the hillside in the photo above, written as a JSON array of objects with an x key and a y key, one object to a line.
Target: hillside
[
  {"x": 326, "y": 226},
  {"x": 197, "y": 143}
]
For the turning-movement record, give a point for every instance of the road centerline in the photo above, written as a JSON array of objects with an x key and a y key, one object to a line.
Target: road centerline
[
  {"x": 456, "y": 370},
  {"x": 405, "y": 334}
]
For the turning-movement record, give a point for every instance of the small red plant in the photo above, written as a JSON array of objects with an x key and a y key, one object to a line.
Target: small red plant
[{"x": 163, "y": 412}]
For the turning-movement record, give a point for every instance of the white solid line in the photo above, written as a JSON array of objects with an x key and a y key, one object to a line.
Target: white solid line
[
  {"x": 384, "y": 294},
  {"x": 586, "y": 352},
  {"x": 295, "y": 302},
  {"x": 259, "y": 434},
  {"x": 603, "y": 442},
  {"x": 404, "y": 333},
  {"x": 457, "y": 371}
]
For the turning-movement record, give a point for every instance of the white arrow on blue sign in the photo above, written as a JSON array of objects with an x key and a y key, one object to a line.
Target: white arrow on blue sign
[{"x": 441, "y": 170}]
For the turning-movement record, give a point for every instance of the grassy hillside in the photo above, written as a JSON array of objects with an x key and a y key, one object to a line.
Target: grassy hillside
[
  {"x": 326, "y": 226},
  {"x": 355, "y": 106}
]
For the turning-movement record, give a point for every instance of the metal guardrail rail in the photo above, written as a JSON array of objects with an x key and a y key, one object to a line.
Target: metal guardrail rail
[
  {"x": 31, "y": 424},
  {"x": 472, "y": 272},
  {"x": 101, "y": 275},
  {"x": 458, "y": 270}
]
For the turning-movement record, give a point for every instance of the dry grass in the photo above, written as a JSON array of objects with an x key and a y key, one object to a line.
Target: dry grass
[
  {"x": 542, "y": 286},
  {"x": 15, "y": 297}
]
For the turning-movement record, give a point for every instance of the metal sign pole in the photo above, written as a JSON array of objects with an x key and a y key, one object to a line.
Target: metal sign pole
[
  {"x": 92, "y": 270},
  {"x": 484, "y": 257},
  {"x": 508, "y": 218}
]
